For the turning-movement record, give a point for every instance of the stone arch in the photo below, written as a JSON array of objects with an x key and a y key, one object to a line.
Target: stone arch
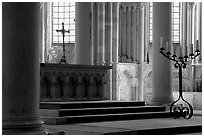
[
  {"x": 98, "y": 85},
  {"x": 72, "y": 85},
  {"x": 126, "y": 92},
  {"x": 60, "y": 78},
  {"x": 85, "y": 84},
  {"x": 45, "y": 87}
]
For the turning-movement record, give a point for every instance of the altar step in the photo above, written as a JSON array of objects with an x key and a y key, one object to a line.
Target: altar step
[{"x": 97, "y": 111}]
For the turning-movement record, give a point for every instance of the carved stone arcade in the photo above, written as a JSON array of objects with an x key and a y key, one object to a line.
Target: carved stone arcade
[{"x": 72, "y": 82}]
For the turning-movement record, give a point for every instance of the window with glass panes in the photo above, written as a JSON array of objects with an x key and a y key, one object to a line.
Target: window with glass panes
[
  {"x": 63, "y": 12},
  {"x": 176, "y": 8}
]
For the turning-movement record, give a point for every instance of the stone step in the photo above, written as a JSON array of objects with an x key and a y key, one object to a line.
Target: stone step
[
  {"x": 95, "y": 111},
  {"x": 162, "y": 131},
  {"x": 103, "y": 117},
  {"x": 89, "y": 104}
]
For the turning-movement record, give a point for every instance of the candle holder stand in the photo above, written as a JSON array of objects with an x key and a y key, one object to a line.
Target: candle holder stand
[{"x": 176, "y": 110}]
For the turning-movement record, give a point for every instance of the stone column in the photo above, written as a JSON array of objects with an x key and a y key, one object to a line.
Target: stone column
[
  {"x": 120, "y": 34},
  {"x": 20, "y": 68},
  {"x": 101, "y": 34},
  {"x": 128, "y": 36},
  {"x": 83, "y": 46},
  {"x": 134, "y": 34},
  {"x": 123, "y": 35},
  {"x": 108, "y": 33},
  {"x": 162, "y": 76},
  {"x": 138, "y": 33},
  {"x": 134, "y": 23},
  {"x": 184, "y": 24},
  {"x": 190, "y": 40},
  {"x": 115, "y": 44},
  {"x": 200, "y": 28},
  {"x": 95, "y": 31}
]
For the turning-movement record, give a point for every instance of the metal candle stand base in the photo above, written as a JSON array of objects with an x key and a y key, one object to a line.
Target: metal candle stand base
[{"x": 176, "y": 110}]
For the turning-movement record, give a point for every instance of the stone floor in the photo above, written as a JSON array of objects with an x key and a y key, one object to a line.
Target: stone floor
[{"x": 127, "y": 127}]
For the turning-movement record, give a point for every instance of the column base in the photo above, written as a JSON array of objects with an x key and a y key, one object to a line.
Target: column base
[
  {"x": 161, "y": 101},
  {"x": 22, "y": 126}
]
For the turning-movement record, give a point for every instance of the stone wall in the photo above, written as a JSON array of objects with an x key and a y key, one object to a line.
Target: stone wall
[{"x": 128, "y": 88}]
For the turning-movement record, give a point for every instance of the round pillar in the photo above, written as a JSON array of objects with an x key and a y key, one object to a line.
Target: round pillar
[
  {"x": 162, "y": 76},
  {"x": 83, "y": 46},
  {"x": 20, "y": 68}
]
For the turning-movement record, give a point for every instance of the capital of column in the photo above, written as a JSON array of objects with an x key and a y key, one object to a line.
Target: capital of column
[
  {"x": 128, "y": 8},
  {"x": 123, "y": 8},
  {"x": 134, "y": 7},
  {"x": 191, "y": 4}
]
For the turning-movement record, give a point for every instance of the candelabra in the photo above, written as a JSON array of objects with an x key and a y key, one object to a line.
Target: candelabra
[{"x": 181, "y": 61}]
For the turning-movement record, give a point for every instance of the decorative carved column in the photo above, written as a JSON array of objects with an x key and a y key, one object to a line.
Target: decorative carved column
[
  {"x": 116, "y": 52},
  {"x": 141, "y": 47},
  {"x": 108, "y": 33},
  {"x": 200, "y": 28},
  {"x": 139, "y": 34},
  {"x": 190, "y": 6},
  {"x": 101, "y": 33},
  {"x": 95, "y": 32},
  {"x": 134, "y": 36},
  {"x": 20, "y": 69},
  {"x": 120, "y": 34},
  {"x": 128, "y": 32},
  {"x": 123, "y": 35}
]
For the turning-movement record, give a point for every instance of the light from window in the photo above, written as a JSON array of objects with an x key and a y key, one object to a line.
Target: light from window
[
  {"x": 175, "y": 19},
  {"x": 63, "y": 12}
]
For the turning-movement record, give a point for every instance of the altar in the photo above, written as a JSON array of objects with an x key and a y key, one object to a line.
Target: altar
[{"x": 69, "y": 82}]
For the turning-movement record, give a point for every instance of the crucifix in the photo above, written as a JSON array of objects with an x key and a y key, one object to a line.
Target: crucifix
[{"x": 63, "y": 58}]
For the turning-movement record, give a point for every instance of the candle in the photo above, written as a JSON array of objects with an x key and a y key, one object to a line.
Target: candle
[
  {"x": 197, "y": 45},
  {"x": 167, "y": 47},
  {"x": 161, "y": 42}
]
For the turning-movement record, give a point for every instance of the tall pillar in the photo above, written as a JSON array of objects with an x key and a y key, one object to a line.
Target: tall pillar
[
  {"x": 83, "y": 46},
  {"x": 120, "y": 34},
  {"x": 128, "y": 36},
  {"x": 162, "y": 87},
  {"x": 20, "y": 68},
  {"x": 200, "y": 28},
  {"x": 101, "y": 34},
  {"x": 95, "y": 31},
  {"x": 134, "y": 36},
  {"x": 108, "y": 33},
  {"x": 116, "y": 52},
  {"x": 123, "y": 35}
]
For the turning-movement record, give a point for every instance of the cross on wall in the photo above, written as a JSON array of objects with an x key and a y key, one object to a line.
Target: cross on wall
[{"x": 63, "y": 31}]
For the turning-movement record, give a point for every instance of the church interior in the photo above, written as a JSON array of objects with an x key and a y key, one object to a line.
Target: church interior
[{"x": 101, "y": 68}]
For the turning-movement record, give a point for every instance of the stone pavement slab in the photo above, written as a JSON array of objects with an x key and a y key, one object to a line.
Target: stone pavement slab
[{"x": 129, "y": 126}]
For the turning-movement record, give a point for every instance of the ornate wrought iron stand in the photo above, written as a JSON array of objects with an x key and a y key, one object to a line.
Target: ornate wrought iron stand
[{"x": 177, "y": 111}]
